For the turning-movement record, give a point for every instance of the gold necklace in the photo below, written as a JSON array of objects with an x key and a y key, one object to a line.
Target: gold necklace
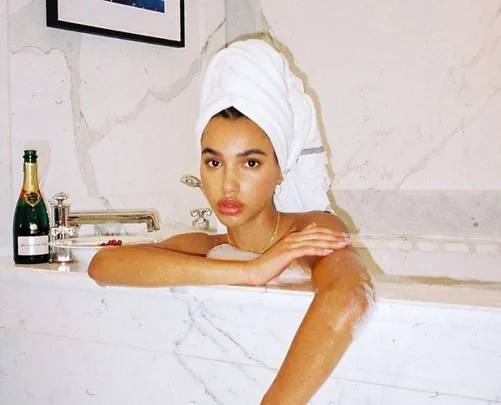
[{"x": 269, "y": 241}]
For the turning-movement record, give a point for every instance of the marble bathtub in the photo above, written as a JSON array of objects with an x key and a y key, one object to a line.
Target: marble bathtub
[{"x": 430, "y": 340}]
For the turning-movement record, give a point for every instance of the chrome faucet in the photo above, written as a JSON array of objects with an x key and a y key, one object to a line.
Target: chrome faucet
[
  {"x": 148, "y": 217},
  {"x": 65, "y": 224},
  {"x": 200, "y": 214},
  {"x": 191, "y": 181},
  {"x": 60, "y": 230},
  {"x": 200, "y": 221}
]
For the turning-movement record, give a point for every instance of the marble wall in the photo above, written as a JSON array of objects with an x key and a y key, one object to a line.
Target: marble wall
[
  {"x": 408, "y": 96},
  {"x": 410, "y": 93},
  {"x": 112, "y": 119},
  {"x": 5, "y": 161}
]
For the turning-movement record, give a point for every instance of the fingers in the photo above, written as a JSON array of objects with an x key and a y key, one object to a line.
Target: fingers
[
  {"x": 313, "y": 248},
  {"x": 314, "y": 228},
  {"x": 310, "y": 251},
  {"x": 315, "y": 232},
  {"x": 315, "y": 240},
  {"x": 321, "y": 236},
  {"x": 320, "y": 244}
]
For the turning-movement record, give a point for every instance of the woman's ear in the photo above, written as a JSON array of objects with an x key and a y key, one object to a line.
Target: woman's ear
[{"x": 280, "y": 179}]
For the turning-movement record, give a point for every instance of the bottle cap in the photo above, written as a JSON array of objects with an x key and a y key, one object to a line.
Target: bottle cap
[{"x": 30, "y": 155}]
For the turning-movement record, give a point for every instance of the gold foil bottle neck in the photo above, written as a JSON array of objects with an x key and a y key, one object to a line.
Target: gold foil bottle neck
[{"x": 31, "y": 191}]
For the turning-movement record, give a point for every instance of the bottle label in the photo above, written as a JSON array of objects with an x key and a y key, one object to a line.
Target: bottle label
[
  {"x": 30, "y": 192},
  {"x": 31, "y": 197},
  {"x": 32, "y": 245}
]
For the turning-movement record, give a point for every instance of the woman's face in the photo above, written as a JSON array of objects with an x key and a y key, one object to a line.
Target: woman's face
[{"x": 238, "y": 169}]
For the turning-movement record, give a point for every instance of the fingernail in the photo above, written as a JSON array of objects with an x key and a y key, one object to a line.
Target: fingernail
[{"x": 328, "y": 251}]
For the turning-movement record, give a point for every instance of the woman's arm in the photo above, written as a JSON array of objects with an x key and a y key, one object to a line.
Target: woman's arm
[
  {"x": 344, "y": 293},
  {"x": 179, "y": 260}
]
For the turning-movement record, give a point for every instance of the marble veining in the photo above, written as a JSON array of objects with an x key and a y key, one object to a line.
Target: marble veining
[
  {"x": 70, "y": 92},
  {"x": 223, "y": 345},
  {"x": 5, "y": 137},
  {"x": 408, "y": 101},
  {"x": 411, "y": 126}
]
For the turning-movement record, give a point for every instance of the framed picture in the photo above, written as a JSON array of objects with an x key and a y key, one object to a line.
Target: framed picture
[{"x": 158, "y": 22}]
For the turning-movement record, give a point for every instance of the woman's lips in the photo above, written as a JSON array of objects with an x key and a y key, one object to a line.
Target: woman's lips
[{"x": 229, "y": 206}]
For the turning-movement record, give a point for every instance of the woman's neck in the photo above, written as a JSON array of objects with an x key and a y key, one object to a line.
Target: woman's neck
[{"x": 256, "y": 234}]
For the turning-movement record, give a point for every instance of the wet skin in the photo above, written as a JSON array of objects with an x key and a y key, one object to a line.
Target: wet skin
[{"x": 239, "y": 173}]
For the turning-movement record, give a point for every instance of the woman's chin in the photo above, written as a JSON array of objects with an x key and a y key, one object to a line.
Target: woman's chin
[{"x": 230, "y": 221}]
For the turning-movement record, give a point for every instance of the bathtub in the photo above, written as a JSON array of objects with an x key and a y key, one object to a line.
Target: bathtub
[{"x": 433, "y": 338}]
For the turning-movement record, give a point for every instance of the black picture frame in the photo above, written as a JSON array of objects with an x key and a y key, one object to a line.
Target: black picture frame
[{"x": 55, "y": 20}]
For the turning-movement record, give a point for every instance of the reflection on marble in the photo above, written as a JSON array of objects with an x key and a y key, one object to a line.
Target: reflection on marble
[{"x": 423, "y": 213}]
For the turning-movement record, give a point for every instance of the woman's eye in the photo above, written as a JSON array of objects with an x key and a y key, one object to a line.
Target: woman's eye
[
  {"x": 252, "y": 163},
  {"x": 213, "y": 163}
]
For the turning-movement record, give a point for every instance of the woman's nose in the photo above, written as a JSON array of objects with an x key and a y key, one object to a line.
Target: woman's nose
[{"x": 231, "y": 184}]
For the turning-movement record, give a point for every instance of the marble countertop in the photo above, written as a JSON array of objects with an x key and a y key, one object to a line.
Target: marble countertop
[{"x": 417, "y": 290}]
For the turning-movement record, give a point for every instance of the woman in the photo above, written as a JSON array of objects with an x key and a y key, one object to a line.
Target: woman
[{"x": 263, "y": 173}]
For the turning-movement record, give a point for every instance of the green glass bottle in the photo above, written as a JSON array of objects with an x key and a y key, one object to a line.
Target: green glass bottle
[{"x": 31, "y": 222}]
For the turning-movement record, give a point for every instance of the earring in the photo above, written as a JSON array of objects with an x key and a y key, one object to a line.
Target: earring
[{"x": 278, "y": 189}]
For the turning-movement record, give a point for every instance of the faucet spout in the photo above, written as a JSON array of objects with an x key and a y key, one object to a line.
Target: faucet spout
[
  {"x": 148, "y": 217},
  {"x": 191, "y": 181}
]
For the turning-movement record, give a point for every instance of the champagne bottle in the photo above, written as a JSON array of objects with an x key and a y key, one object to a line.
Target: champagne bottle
[{"x": 31, "y": 222}]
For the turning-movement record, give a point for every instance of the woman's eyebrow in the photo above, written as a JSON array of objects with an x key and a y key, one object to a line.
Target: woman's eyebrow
[
  {"x": 211, "y": 151},
  {"x": 241, "y": 154},
  {"x": 251, "y": 152}
]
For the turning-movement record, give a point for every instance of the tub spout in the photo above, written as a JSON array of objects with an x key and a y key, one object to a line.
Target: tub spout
[{"x": 148, "y": 217}]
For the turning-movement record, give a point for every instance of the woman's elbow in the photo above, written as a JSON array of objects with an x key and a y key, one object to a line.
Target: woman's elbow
[
  {"x": 364, "y": 297},
  {"x": 97, "y": 268},
  {"x": 350, "y": 303}
]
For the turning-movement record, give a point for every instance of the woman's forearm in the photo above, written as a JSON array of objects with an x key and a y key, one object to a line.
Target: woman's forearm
[
  {"x": 323, "y": 336},
  {"x": 150, "y": 266}
]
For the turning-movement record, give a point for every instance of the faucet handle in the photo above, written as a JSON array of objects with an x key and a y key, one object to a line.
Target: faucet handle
[
  {"x": 201, "y": 212},
  {"x": 61, "y": 254},
  {"x": 60, "y": 198},
  {"x": 62, "y": 232},
  {"x": 60, "y": 209},
  {"x": 200, "y": 221}
]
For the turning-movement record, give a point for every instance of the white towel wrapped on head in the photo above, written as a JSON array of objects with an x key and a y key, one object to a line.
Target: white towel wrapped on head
[{"x": 256, "y": 79}]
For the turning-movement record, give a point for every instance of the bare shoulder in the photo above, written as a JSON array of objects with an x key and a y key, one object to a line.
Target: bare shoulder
[
  {"x": 322, "y": 218},
  {"x": 196, "y": 243}
]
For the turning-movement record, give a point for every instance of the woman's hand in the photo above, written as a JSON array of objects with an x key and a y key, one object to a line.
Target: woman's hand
[{"x": 313, "y": 240}]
